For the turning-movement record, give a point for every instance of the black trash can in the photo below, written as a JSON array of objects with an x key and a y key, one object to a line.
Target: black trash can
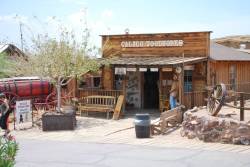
[{"x": 142, "y": 125}]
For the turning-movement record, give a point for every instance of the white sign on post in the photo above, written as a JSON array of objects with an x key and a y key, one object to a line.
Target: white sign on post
[
  {"x": 23, "y": 106},
  {"x": 120, "y": 71}
]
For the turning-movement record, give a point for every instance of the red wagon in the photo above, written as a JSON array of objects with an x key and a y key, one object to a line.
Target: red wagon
[{"x": 41, "y": 92}]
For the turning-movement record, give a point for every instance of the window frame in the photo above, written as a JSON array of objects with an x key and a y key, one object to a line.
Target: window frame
[
  {"x": 232, "y": 76},
  {"x": 188, "y": 81}
]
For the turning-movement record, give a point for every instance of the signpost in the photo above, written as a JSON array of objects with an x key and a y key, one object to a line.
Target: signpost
[{"x": 23, "y": 107}]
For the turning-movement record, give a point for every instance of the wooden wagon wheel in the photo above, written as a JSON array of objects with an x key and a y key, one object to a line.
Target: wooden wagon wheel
[
  {"x": 39, "y": 103},
  {"x": 216, "y": 99},
  {"x": 51, "y": 100}
]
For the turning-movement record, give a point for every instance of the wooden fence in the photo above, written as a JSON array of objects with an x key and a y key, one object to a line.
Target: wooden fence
[{"x": 196, "y": 98}]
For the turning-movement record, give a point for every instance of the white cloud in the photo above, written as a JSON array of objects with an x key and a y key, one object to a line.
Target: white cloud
[
  {"x": 76, "y": 2},
  {"x": 14, "y": 18},
  {"x": 106, "y": 23},
  {"x": 77, "y": 18},
  {"x": 107, "y": 14},
  {"x": 76, "y": 22}
]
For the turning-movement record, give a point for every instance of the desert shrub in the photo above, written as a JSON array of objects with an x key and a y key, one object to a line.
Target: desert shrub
[{"x": 8, "y": 150}]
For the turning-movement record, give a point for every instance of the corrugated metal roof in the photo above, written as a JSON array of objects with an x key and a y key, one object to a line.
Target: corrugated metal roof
[
  {"x": 223, "y": 53},
  {"x": 154, "y": 60}
]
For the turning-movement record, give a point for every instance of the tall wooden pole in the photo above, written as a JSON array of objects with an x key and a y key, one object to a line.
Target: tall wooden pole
[
  {"x": 58, "y": 94},
  {"x": 241, "y": 107},
  {"x": 181, "y": 82}
]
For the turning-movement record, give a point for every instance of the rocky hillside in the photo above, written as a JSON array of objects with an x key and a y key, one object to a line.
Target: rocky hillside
[{"x": 232, "y": 41}]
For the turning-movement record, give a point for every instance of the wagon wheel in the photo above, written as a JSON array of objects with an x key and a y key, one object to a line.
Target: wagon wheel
[
  {"x": 12, "y": 98},
  {"x": 51, "y": 101},
  {"x": 216, "y": 99},
  {"x": 39, "y": 103}
]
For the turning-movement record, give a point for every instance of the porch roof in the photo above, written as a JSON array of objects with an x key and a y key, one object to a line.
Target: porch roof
[{"x": 155, "y": 61}]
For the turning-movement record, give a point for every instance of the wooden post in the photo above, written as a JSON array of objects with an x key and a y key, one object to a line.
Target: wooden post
[
  {"x": 181, "y": 82},
  {"x": 241, "y": 107},
  {"x": 181, "y": 85},
  {"x": 235, "y": 100},
  {"x": 208, "y": 73},
  {"x": 160, "y": 90},
  {"x": 124, "y": 93},
  {"x": 192, "y": 99},
  {"x": 76, "y": 92}
]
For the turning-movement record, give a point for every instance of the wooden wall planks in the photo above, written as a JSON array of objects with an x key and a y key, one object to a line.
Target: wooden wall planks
[{"x": 195, "y": 44}]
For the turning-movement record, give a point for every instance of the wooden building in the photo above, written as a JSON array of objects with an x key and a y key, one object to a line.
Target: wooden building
[
  {"x": 229, "y": 66},
  {"x": 141, "y": 66},
  {"x": 11, "y": 51}
]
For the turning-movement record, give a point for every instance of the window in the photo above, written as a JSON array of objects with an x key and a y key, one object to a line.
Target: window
[
  {"x": 96, "y": 82},
  {"x": 90, "y": 82},
  {"x": 118, "y": 82},
  {"x": 188, "y": 81},
  {"x": 232, "y": 77}
]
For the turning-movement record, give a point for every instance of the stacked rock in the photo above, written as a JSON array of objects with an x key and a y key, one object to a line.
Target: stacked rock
[{"x": 215, "y": 129}]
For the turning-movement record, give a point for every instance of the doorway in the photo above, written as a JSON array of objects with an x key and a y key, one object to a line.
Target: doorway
[{"x": 150, "y": 89}]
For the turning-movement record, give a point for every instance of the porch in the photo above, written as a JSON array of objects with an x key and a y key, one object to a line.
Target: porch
[{"x": 191, "y": 99}]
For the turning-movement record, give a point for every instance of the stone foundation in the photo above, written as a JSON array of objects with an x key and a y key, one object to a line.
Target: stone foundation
[{"x": 215, "y": 129}]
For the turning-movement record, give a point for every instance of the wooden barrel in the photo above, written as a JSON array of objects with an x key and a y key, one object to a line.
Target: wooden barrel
[{"x": 27, "y": 88}]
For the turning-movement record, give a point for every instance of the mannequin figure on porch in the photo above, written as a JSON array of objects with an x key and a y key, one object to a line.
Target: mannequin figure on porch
[{"x": 174, "y": 92}]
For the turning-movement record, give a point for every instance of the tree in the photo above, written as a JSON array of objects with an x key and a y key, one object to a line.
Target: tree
[
  {"x": 5, "y": 65},
  {"x": 56, "y": 60}
]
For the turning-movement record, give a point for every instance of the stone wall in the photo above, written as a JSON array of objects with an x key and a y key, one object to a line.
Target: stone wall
[{"x": 215, "y": 129}]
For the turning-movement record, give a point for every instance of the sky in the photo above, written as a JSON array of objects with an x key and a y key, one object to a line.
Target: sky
[{"x": 223, "y": 17}]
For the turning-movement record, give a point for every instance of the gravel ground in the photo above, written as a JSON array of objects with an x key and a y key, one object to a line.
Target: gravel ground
[{"x": 100, "y": 130}]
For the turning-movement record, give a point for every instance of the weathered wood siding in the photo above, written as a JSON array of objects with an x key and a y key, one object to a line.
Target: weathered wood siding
[
  {"x": 196, "y": 44},
  {"x": 220, "y": 73},
  {"x": 196, "y": 98},
  {"x": 107, "y": 76},
  {"x": 71, "y": 89}
]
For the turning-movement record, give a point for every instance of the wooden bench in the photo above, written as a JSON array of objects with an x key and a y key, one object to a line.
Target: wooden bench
[{"x": 97, "y": 104}]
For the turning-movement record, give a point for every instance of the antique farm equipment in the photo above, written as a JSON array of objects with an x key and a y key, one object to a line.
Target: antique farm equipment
[
  {"x": 41, "y": 92},
  {"x": 216, "y": 99},
  {"x": 26, "y": 88},
  {"x": 168, "y": 119},
  {"x": 219, "y": 96}
]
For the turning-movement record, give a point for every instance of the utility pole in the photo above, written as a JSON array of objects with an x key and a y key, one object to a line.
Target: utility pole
[{"x": 21, "y": 35}]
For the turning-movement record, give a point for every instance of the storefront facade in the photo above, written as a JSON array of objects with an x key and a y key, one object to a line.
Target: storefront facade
[{"x": 143, "y": 65}]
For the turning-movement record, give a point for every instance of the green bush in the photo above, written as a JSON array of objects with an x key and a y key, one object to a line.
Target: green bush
[{"x": 8, "y": 150}]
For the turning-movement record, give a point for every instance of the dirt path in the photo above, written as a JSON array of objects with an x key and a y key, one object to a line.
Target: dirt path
[{"x": 100, "y": 130}]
